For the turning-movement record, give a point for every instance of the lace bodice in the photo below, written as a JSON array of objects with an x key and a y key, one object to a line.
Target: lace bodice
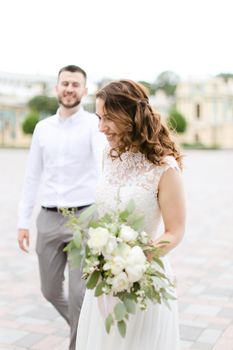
[{"x": 132, "y": 177}]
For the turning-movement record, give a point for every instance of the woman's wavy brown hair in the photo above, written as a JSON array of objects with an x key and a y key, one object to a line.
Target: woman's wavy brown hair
[{"x": 126, "y": 103}]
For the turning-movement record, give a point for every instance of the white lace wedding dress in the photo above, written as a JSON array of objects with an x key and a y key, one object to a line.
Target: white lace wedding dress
[{"x": 133, "y": 177}]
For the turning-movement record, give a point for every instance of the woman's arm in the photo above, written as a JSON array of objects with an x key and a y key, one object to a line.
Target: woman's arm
[{"x": 172, "y": 205}]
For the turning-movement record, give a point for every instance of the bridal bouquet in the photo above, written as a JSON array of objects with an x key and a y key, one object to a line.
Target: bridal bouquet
[{"x": 118, "y": 260}]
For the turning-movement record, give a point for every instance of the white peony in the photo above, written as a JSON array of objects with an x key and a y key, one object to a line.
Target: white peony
[
  {"x": 98, "y": 239},
  {"x": 116, "y": 265},
  {"x": 128, "y": 234},
  {"x": 136, "y": 264},
  {"x": 120, "y": 283}
]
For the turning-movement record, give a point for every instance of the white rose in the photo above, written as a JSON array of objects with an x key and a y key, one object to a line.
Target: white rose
[
  {"x": 136, "y": 264},
  {"x": 122, "y": 250},
  {"x": 116, "y": 265},
  {"x": 135, "y": 273},
  {"x": 120, "y": 282},
  {"x": 98, "y": 239},
  {"x": 127, "y": 233},
  {"x": 136, "y": 256},
  {"x": 110, "y": 246}
]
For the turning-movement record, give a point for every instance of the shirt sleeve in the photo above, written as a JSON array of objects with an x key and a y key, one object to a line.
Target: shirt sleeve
[
  {"x": 31, "y": 182},
  {"x": 98, "y": 144}
]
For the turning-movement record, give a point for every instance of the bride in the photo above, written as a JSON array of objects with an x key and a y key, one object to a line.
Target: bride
[{"x": 143, "y": 163}]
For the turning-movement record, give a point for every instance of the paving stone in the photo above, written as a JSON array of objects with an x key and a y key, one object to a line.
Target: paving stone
[
  {"x": 226, "y": 313},
  {"x": 228, "y": 292},
  {"x": 10, "y": 336},
  {"x": 29, "y": 340},
  {"x": 210, "y": 336},
  {"x": 201, "y": 346},
  {"x": 22, "y": 309},
  {"x": 50, "y": 342},
  {"x": 43, "y": 313},
  {"x": 217, "y": 326},
  {"x": 194, "y": 323},
  {"x": 182, "y": 306},
  {"x": 46, "y": 329},
  {"x": 31, "y": 320},
  {"x": 203, "y": 310},
  {"x": 186, "y": 345},
  {"x": 224, "y": 344},
  {"x": 190, "y": 333},
  {"x": 196, "y": 290},
  {"x": 10, "y": 347}
]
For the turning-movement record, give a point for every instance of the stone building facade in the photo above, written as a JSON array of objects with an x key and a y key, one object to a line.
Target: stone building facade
[
  {"x": 15, "y": 92},
  {"x": 208, "y": 108}
]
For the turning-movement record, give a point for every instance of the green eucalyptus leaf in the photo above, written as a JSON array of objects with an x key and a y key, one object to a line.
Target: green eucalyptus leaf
[
  {"x": 160, "y": 282},
  {"x": 93, "y": 279},
  {"x": 122, "y": 328},
  {"x": 77, "y": 238},
  {"x": 138, "y": 223},
  {"x": 87, "y": 213},
  {"x": 120, "y": 311},
  {"x": 108, "y": 323},
  {"x": 159, "y": 262},
  {"x": 125, "y": 295},
  {"x": 130, "y": 306},
  {"x": 69, "y": 247},
  {"x": 94, "y": 224},
  {"x": 130, "y": 207},
  {"x": 106, "y": 219},
  {"x": 124, "y": 215},
  {"x": 168, "y": 295},
  {"x": 87, "y": 250},
  {"x": 160, "y": 275},
  {"x": 98, "y": 290},
  {"x": 75, "y": 258}
]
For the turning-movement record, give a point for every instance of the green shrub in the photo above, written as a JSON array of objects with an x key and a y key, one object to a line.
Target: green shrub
[
  {"x": 176, "y": 121},
  {"x": 43, "y": 104},
  {"x": 30, "y": 122},
  {"x": 200, "y": 146}
]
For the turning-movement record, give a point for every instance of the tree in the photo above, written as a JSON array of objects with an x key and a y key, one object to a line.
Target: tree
[
  {"x": 176, "y": 121},
  {"x": 167, "y": 81},
  {"x": 44, "y": 105},
  {"x": 149, "y": 86},
  {"x": 225, "y": 76},
  {"x": 30, "y": 122}
]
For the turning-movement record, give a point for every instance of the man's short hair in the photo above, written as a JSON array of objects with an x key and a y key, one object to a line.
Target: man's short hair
[{"x": 72, "y": 68}]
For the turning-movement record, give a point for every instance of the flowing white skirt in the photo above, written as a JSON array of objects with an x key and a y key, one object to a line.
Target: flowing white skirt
[{"x": 157, "y": 328}]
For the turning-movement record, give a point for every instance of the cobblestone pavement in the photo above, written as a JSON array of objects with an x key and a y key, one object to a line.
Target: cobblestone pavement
[{"x": 203, "y": 262}]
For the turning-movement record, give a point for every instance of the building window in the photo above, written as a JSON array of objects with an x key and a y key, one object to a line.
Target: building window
[
  {"x": 198, "y": 111},
  {"x": 197, "y": 138}
]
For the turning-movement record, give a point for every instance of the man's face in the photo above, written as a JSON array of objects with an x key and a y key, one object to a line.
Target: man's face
[{"x": 70, "y": 89}]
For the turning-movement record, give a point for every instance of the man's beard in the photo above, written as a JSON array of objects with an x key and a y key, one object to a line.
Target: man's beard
[{"x": 74, "y": 104}]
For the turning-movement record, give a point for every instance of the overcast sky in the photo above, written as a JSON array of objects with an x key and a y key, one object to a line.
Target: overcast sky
[{"x": 117, "y": 39}]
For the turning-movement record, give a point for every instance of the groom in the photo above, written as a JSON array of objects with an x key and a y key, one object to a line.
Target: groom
[{"x": 65, "y": 153}]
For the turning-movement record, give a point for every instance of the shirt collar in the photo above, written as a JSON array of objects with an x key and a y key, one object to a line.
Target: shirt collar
[{"x": 71, "y": 118}]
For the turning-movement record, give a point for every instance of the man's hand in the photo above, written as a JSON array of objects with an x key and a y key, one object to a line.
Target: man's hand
[{"x": 23, "y": 239}]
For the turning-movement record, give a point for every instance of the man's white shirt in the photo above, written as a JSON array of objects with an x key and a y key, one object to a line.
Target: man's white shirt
[{"x": 66, "y": 155}]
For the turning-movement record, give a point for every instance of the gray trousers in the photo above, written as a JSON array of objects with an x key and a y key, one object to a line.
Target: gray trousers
[{"x": 52, "y": 237}]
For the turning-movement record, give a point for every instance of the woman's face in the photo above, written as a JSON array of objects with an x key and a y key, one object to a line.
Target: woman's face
[{"x": 108, "y": 127}]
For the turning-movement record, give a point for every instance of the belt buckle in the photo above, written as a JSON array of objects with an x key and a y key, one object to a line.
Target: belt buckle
[
  {"x": 67, "y": 211},
  {"x": 61, "y": 210}
]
